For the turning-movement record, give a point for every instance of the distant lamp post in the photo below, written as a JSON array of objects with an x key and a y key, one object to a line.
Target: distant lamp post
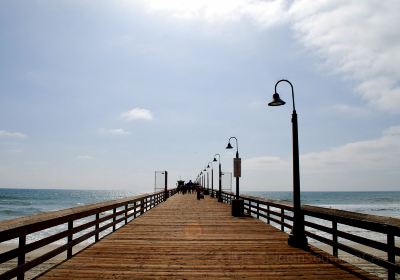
[
  {"x": 219, "y": 176},
  {"x": 297, "y": 237},
  {"x": 207, "y": 182},
  {"x": 237, "y": 204},
  {"x": 210, "y": 165}
]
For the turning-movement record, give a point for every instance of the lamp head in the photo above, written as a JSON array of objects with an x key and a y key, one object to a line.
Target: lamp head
[
  {"x": 215, "y": 159},
  {"x": 208, "y": 166},
  {"x": 229, "y": 146},
  {"x": 276, "y": 100},
  {"x": 204, "y": 170}
]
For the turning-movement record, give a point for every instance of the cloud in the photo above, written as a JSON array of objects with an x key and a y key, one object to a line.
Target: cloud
[
  {"x": 136, "y": 114},
  {"x": 357, "y": 39},
  {"x": 84, "y": 157},
  {"x": 8, "y": 134},
  {"x": 115, "y": 131},
  {"x": 354, "y": 111},
  {"x": 370, "y": 164},
  {"x": 266, "y": 13}
]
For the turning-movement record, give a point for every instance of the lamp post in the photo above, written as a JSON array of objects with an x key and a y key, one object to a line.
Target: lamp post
[
  {"x": 219, "y": 176},
  {"x": 206, "y": 182},
  {"x": 237, "y": 204},
  {"x": 210, "y": 165},
  {"x": 297, "y": 237}
]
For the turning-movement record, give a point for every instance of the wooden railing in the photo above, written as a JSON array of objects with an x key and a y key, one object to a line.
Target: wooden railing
[
  {"x": 323, "y": 225},
  {"x": 77, "y": 225}
]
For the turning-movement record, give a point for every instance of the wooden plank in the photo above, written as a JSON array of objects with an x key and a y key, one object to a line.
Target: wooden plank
[{"x": 184, "y": 238}]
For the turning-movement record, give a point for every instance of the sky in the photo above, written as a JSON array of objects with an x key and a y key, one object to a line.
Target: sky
[{"x": 101, "y": 94}]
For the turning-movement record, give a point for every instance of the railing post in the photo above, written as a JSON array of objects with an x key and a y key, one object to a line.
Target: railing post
[
  {"x": 258, "y": 210},
  {"x": 268, "y": 216},
  {"x": 114, "y": 218},
  {"x": 96, "y": 237},
  {"x": 250, "y": 207},
  {"x": 21, "y": 256},
  {"x": 126, "y": 213},
  {"x": 134, "y": 210},
  {"x": 334, "y": 239},
  {"x": 70, "y": 237},
  {"x": 391, "y": 253},
  {"x": 282, "y": 219},
  {"x": 142, "y": 207}
]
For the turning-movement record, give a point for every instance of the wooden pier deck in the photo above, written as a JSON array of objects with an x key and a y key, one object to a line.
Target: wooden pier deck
[{"x": 184, "y": 238}]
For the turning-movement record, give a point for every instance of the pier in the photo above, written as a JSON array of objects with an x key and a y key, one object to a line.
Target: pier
[{"x": 179, "y": 238}]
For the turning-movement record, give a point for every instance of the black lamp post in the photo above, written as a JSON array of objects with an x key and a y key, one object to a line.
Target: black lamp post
[
  {"x": 297, "y": 237},
  {"x": 219, "y": 176},
  {"x": 210, "y": 165},
  {"x": 237, "y": 204}
]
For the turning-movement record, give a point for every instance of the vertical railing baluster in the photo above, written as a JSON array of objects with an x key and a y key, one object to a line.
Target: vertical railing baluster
[
  {"x": 258, "y": 210},
  {"x": 114, "y": 218},
  {"x": 142, "y": 207},
  {"x": 126, "y": 213},
  {"x": 282, "y": 219},
  {"x": 21, "y": 257},
  {"x": 268, "y": 216},
  {"x": 134, "y": 209},
  {"x": 250, "y": 207},
  {"x": 391, "y": 253},
  {"x": 96, "y": 236},
  {"x": 69, "y": 238},
  {"x": 335, "y": 251}
]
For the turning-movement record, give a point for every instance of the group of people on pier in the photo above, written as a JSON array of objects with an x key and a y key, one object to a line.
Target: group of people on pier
[{"x": 190, "y": 187}]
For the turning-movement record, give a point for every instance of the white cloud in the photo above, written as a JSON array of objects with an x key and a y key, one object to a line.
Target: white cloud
[
  {"x": 137, "y": 114},
  {"x": 357, "y": 39},
  {"x": 9, "y": 134},
  {"x": 369, "y": 164},
  {"x": 114, "y": 131},
  {"x": 84, "y": 157},
  {"x": 351, "y": 110},
  {"x": 265, "y": 13}
]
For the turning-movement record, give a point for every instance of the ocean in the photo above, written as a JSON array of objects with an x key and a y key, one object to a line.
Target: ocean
[
  {"x": 382, "y": 203},
  {"x": 16, "y": 203}
]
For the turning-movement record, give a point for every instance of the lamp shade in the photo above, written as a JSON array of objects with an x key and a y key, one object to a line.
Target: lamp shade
[
  {"x": 215, "y": 160},
  {"x": 208, "y": 166},
  {"x": 229, "y": 146},
  {"x": 276, "y": 100}
]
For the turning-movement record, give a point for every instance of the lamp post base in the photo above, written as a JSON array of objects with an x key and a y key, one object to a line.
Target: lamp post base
[
  {"x": 219, "y": 196},
  {"x": 237, "y": 207},
  {"x": 206, "y": 192},
  {"x": 212, "y": 194},
  {"x": 298, "y": 242}
]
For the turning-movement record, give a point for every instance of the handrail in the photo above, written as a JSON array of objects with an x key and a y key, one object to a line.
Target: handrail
[
  {"x": 281, "y": 213},
  {"x": 123, "y": 211}
]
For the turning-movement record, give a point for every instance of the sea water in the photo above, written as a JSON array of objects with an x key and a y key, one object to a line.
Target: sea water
[
  {"x": 16, "y": 203},
  {"x": 379, "y": 203},
  {"x": 382, "y": 203}
]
